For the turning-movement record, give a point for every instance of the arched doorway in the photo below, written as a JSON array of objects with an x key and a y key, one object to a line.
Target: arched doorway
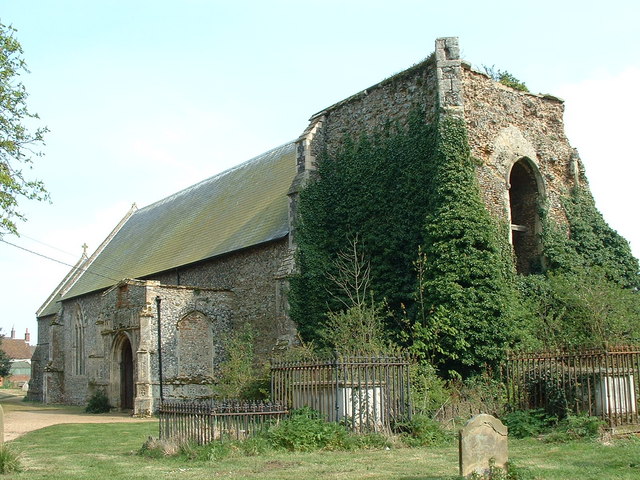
[
  {"x": 524, "y": 195},
  {"x": 126, "y": 375}
]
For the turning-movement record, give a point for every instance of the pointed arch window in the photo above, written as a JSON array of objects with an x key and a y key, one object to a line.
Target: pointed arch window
[
  {"x": 524, "y": 197},
  {"x": 79, "y": 346}
]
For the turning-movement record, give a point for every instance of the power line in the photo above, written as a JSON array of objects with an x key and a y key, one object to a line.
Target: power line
[
  {"x": 22, "y": 235},
  {"x": 58, "y": 261}
]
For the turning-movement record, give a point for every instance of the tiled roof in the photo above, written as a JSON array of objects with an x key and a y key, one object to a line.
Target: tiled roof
[
  {"x": 15, "y": 348},
  {"x": 244, "y": 206}
]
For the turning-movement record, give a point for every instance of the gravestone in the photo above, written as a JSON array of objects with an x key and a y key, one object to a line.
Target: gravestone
[{"x": 483, "y": 442}]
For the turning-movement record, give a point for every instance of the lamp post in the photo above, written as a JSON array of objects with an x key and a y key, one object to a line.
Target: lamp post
[{"x": 158, "y": 300}]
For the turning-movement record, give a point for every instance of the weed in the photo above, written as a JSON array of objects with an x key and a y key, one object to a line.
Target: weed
[
  {"x": 253, "y": 446},
  {"x": 575, "y": 427},
  {"x": 512, "y": 472},
  {"x": 9, "y": 460}
]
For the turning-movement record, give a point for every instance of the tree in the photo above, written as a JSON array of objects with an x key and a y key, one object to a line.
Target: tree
[
  {"x": 19, "y": 144},
  {"x": 5, "y": 361},
  {"x": 359, "y": 325}
]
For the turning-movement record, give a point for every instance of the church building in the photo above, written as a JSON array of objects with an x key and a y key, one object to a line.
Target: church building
[{"x": 172, "y": 277}]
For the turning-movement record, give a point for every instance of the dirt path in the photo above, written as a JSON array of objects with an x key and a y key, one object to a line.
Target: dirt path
[{"x": 22, "y": 417}]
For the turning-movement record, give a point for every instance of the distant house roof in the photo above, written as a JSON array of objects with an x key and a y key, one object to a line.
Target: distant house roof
[
  {"x": 15, "y": 348},
  {"x": 242, "y": 207}
]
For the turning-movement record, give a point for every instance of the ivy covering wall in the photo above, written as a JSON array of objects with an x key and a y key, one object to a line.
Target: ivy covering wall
[
  {"x": 442, "y": 265},
  {"x": 376, "y": 188},
  {"x": 411, "y": 197}
]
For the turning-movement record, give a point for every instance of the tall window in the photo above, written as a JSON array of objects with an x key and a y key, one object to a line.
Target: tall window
[
  {"x": 525, "y": 220},
  {"x": 79, "y": 347}
]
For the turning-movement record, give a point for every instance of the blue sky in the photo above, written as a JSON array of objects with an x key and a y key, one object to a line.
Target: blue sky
[{"x": 144, "y": 98}]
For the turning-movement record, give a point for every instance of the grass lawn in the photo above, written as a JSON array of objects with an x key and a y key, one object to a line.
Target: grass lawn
[{"x": 107, "y": 451}]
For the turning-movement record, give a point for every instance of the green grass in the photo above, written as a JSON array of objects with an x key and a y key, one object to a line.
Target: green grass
[{"x": 108, "y": 451}]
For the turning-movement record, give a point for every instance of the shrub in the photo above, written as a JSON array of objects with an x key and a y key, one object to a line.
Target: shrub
[
  {"x": 9, "y": 460},
  {"x": 528, "y": 423},
  {"x": 254, "y": 446},
  {"x": 305, "y": 431},
  {"x": 428, "y": 391},
  {"x": 215, "y": 451},
  {"x": 505, "y": 78},
  {"x": 422, "y": 430},
  {"x": 575, "y": 427},
  {"x": 239, "y": 375},
  {"x": 98, "y": 403},
  {"x": 513, "y": 472}
]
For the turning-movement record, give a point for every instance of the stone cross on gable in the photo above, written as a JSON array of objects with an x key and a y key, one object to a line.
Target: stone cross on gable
[{"x": 84, "y": 248}]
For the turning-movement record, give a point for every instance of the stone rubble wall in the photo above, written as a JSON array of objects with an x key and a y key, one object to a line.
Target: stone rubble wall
[
  {"x": 505, "y": 125},
  {"x": 39, "y": 360},
  {"x": 387, "y": 103},
  {"x": 206, "y": 301}
]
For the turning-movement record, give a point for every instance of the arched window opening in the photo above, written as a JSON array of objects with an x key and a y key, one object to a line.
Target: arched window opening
[
  {"x": 523, "y": 199},
  {"x": 78, "y": 342}
]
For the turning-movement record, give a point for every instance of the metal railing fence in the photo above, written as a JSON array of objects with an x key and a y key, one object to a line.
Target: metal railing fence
[
  {"x": 203, "y": 421},
  {"x": 365, "y": 392},
  {"x": 601, "y": 383}
]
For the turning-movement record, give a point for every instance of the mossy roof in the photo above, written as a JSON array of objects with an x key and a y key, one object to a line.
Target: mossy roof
[{"x": 239, "y": 208}]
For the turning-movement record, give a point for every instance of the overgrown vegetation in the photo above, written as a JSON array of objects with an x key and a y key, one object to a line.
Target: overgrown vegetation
[
  {"x": 98, "y": 403},
  {"x": 551, "y": 429},
  {"x": 437, "y": 273},
  {"x": 64, "y": 448},
  {"x": 375, "y": 190},
  {"x": 303, "y": 431},
  {"x": 512, "y": 472},
  {"x": 588, "y": 295},
  {"x": 239, "y": 375},
  {"x": 422, "y": 431},
  {"x": 468, "y": 283},
  {"x": 359, "y": 325},
  {"x": 437, "y": 268},
  {"x": 505, "y": 78}
]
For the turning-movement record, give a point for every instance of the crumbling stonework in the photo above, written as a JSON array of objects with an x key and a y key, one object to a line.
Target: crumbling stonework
[
  {"x": 505, "y": 127},
  {"x": 107, "y": 339}
]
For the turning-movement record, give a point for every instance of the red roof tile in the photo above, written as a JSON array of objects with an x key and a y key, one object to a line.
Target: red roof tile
[{"x": 15, "y": 348}]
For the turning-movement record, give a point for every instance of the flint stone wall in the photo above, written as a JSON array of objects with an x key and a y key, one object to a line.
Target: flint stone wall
[
  {"x": 201, "y": 303},
  {"x": 505, "y": 125},
  {"x": 387, "y": 103}
]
